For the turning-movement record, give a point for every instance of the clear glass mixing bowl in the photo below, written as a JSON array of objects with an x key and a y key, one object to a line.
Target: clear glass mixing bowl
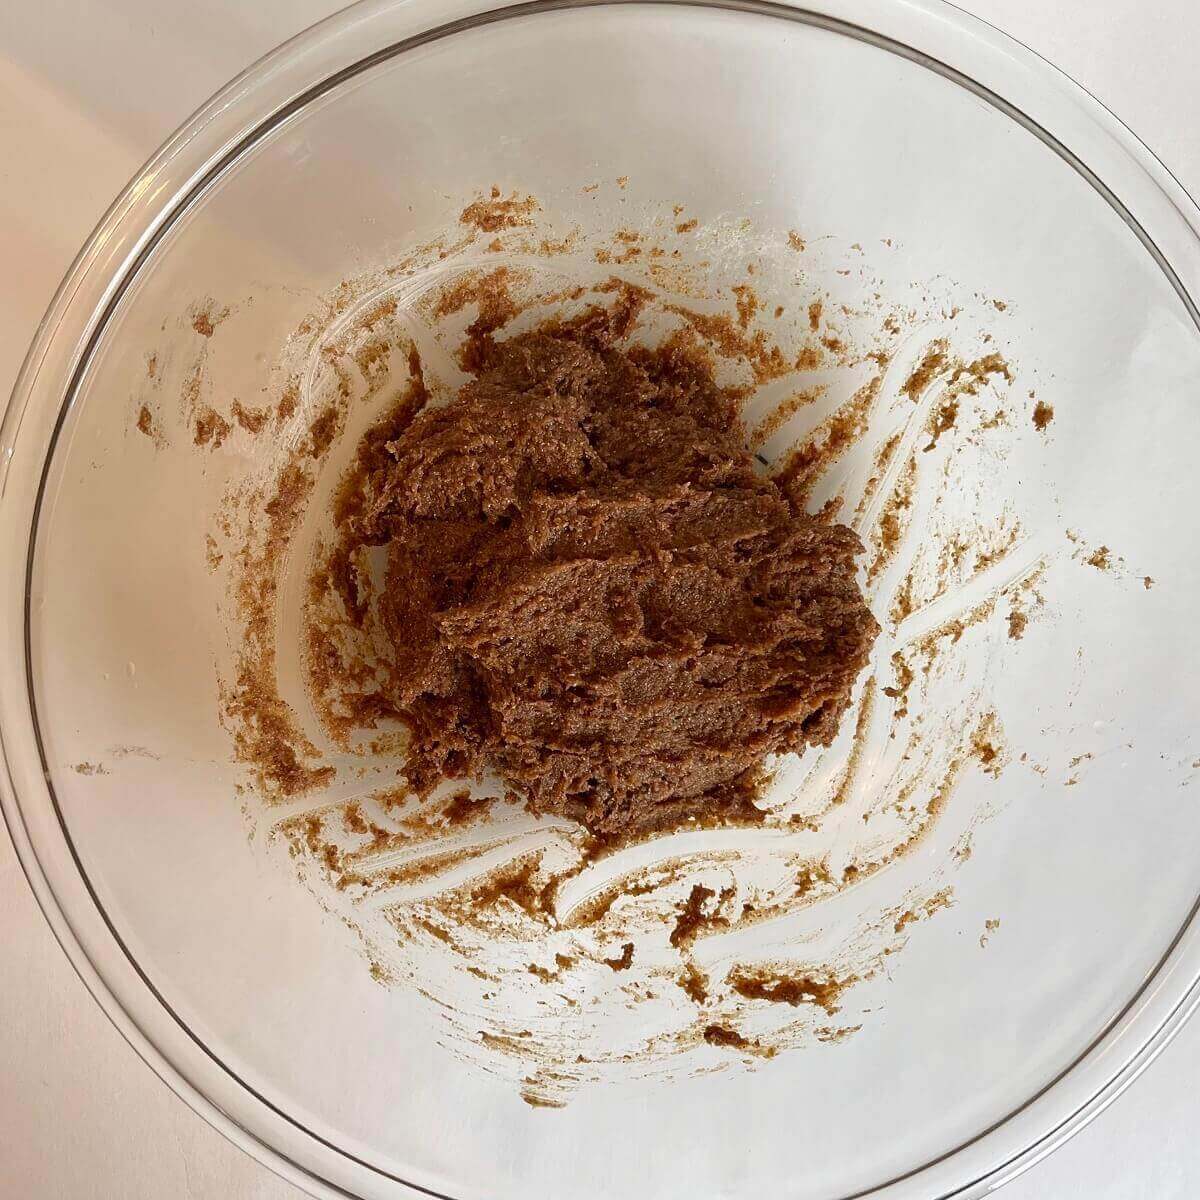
[{"x": 907, "y": 129}]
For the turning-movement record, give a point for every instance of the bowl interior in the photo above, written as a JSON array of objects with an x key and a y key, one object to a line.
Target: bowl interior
[{"x": 910, "y": 196}]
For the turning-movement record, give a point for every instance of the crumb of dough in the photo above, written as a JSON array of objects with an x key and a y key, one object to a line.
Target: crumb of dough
[
  {"x": 211, "y": 428},
  {"x": 146, "y": 423},
  {"x": 1043, "y": 414},
  {"x": 623, "y": 961},
  {"x": 492, "y": 213},
  {"x": 251, "y": 420}
]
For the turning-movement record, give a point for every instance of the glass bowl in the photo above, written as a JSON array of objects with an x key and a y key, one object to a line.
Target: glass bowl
[{"x": 901, "y": 164}]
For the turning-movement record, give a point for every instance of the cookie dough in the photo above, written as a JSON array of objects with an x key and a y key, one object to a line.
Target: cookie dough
[{"x": 594, "y": 591}]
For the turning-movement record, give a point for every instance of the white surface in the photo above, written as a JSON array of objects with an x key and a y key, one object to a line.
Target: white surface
[{"x": 81, "y": 1116}]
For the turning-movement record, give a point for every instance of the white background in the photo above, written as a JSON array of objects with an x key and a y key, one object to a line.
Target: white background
[{"x": 88, "y": 89}]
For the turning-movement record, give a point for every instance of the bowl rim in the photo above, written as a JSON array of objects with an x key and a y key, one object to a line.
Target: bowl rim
[{"x": 932, "y": 33}]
